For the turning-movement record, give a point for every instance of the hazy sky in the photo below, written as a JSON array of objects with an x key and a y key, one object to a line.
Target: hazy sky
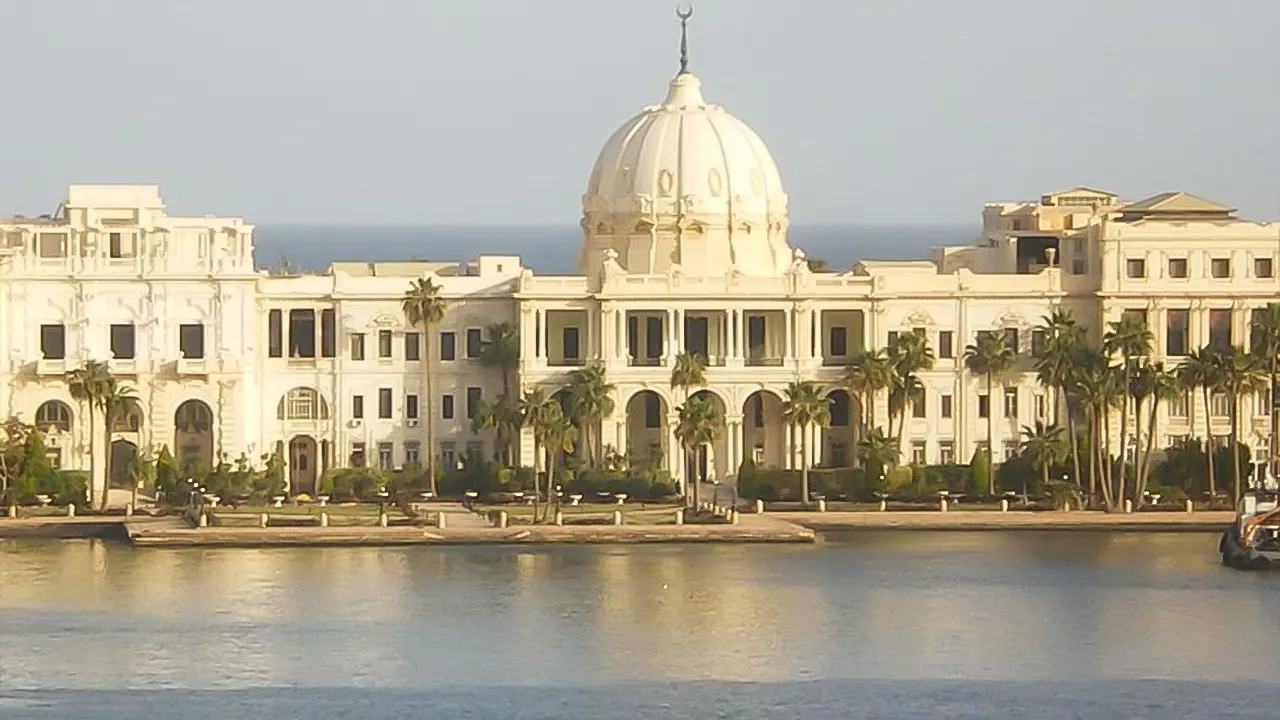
[{"x": 492, "y": 111}]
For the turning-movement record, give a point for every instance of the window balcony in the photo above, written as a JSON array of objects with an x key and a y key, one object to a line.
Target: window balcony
[
  {"x": 193, "y": 367},
  {"x": 47, "y": 367}
]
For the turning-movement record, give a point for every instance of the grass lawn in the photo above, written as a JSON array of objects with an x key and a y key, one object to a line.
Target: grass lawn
[
  {"x": 361, "y": 510},
  {"x": 589, "y": 509}
]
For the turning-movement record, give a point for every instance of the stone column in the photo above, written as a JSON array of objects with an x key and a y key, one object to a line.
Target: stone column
[
  {"x": 678, "y": 330},
  {"x": 528, "y": 333},
  {"x": 593, "y": 347},
  {"x": 674, "y": 464},
  {"x": 740, "y": 334},
  {"x": 789, "y": 341},
  {"x": 608, "y": 332},
  {"x": 789, "y": 447},
  {"x": 543, "y": 336},
  {"x": 669, "y": 347},
  {"x": 735, "y": 435},
  {"x": 819, "y": 339}
]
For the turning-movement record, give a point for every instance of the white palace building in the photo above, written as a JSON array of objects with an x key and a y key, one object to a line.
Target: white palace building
[{"x": 684, "y": 248}]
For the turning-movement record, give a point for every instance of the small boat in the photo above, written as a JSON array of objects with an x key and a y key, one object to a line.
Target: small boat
[{"x": 1253, "y": 540}]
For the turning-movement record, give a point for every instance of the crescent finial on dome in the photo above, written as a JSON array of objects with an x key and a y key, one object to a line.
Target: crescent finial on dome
[{"x": 684, "y": 13}]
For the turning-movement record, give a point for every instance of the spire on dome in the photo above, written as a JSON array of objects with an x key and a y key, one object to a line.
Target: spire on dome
[{"x": 684, "y": 14}]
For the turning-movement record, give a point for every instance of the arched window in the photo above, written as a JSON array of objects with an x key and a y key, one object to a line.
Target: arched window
[
  {"x": 302, "y": 403},
  {"x": 54, "y": 415},
  {"x": 130, "y": 420},
  {"x": 193, "y": 416}
]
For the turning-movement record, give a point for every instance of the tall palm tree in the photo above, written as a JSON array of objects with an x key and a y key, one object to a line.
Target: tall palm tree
[
  {"x": 554, "y": 431},
  {"x": 502, "y": 415},
  {"x": 868, "y": 372},
  {"x": 1153, "y": 385},
  {"x": 804, "y": 409},
  {"x": 423, "y": 307},
  {"x": 1063, "y": 338},
  {"x": 538, "y": 410},
  {"x": 500, "y": 350},
  {"x": 590, "y": 402},
  {"x": 1129, "y": 340},
  {"x": 142, "y": 469},
  {"x": 1201, "y": 371},
  {"x": 1044, "y": 446},
  {"x": 909, "y": 355},
  {"x": 1099, "y": 388},
  {"x": 877, "y": 452},
  {"x": 1242, "y": 374},
  {"x": 1265, "y": 343},
  {"x": 116, "y": 401},
  {"x": 990, "y": 357},
  {"x": 87, "y": 384},
  {"x": 700, "y": 423},
  {"x": 689, "y": 371}
]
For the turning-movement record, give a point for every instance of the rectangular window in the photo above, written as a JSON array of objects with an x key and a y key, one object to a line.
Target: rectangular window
[
  {"x": 302, "y": 333},
  {"x": 473, "y": 402},
  {"x": 384, "y": 403},
  {"x": 412, "y": 346},
  {"x": 384, "y": 344},
  {"x": 357, "y": 346},
  {"x": 449, "y": 455},
  {"x": 1011, "y": 338},
  {"x": 328, "y": 333},
  {"x": 919, "y": 449},
  {"x": 1263, "y": 268},
  {"x": 116, "y": 245},
  {"x": 1180, "y": 406},
  {"x": 1177, "y": 340},
  {"x": 918, "y": 406},
  {"x": 53, "y": 342},
  {"x": 1220, "y": 329},
  {"x": 123, "y": 345},
  {"x": 569, "y": 339},
  {"x": 1220, "y": 268},
  {"x": 357, "y": 455},
  {"x": 755, "y": 335},
  {"x": 1178, "y": 268},
  {"x": 1042, "y": 407},
  {"x": 411, "y": 453},
  {"x": 411, "y": 407},
  {"x": 275, "y": 334},
  {"x": 52, "y": 245},
  {"x": 386, "y": 455},
  {"x": 1262, "y": 402},
  {"x": 446, "y": 407},
  {"x": 357, "y": 407},
  {"x": 1011, "y": 402},
  {"x": 1219, "y": 406},
  {"x": 475, "y": 344},
  {"x": 838, "y": 344},
  {"x": 1037, "y": 343},
  {"x": 191, "y": 340},
  {"x": 946, "y": 406},
  {"x": 448, "y": 346},
  {"x": 946, "y": 345},
  {"x": 475, "y": 450},
  {"x": 947, "y": 452},
  {"x": 984, "y": 406},
  {"x": 893, "y": 338},
  {"x": 1136, "y": 268},
  {"x": 654, "y": 335}
]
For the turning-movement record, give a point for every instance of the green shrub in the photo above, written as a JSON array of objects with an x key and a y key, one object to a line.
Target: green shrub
[
  {"x": 979, "y": 473},
  {"x": 66, "y": 487}
]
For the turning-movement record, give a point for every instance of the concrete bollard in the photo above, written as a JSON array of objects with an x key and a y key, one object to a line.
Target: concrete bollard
[
  {"x": 71, "y": 511},
  {"x": 128, "y": 510},
  {"x": 502, "y": 519},
  {"x": 1128, "y": 506},
  {"x": 324, "y": 519},
  {"x": 822, "y": 505},
  {"x": 617, "y": 517},
  {"x": 382, "y": 519},
  {"x": 202, "y": 520},
  {"x": 440, "y": 521},
  {"x": 559, "y": 517},
  {"x": 733, "y": 517},
  {"x": 680, "y": 516},
  {"x": 1066, "y": 506},
  {"x": 1004, "y": 505},
  {"x": 884, "y": 505},
  {"x": 13, "y": 511},
  {"x": 942, "y": 505},
  {"x": 264, "y": 520},
  {"x": 759, "y": 507},
  {"x": 1191, "y": 506}
]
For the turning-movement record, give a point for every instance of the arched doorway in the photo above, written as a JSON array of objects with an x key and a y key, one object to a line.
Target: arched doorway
[
  {"x": 840, "y": 436},
  {"x": 54, "y": 419},
  {"x": 303, "y": 463},
  {"x": 122, "y": 454},
  {"x": 647, "y": 431},
  {"x": 764, "y": 432},
  {"x": 193, "y": 436}
]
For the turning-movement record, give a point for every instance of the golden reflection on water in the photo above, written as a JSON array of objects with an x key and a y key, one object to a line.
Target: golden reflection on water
[{"x": 891, "y": 605}]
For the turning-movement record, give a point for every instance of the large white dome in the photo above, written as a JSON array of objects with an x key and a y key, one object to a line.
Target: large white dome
[{"x": 686, "y": 183}]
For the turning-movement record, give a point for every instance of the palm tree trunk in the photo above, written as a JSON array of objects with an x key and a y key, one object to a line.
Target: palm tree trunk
[
  {"x": 537, "y": 492},
  {"x": 1124, "y": 435},
  {"x": 804, "y": 464},
  {"x": 691, "y": 473},
  {"x": 1108, "y": 464},
  {"x": 991, "y": 435},
  {"x": 1235, "y": 439},
  {"x": 1095, "y": 468},
  {"x": 430, "y": 407},
  {"x": 1208, "y": 442},
  {"x": 1144, "y": 472},
  {"x": 93, "y": 461},
  {"x": 551, "y": 473},
  {"x": 1071, "y": 438},
  {"x": 106, "y": 462}
]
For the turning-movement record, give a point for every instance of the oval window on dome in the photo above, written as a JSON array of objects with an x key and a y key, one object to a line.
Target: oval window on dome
[
  {"x": 715, "y": 182},
  {"x": 757, "y": 181},
  {"x": 665, "y": 182}
]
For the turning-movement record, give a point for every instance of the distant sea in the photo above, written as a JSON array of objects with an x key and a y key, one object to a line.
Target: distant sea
[{"x": 552, "y": 249}]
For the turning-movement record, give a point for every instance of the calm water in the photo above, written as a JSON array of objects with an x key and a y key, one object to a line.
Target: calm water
[
  {"x": 554, "y": 249},
  {"x": 982, "y": 625}
]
